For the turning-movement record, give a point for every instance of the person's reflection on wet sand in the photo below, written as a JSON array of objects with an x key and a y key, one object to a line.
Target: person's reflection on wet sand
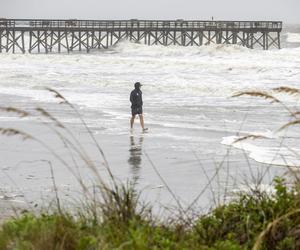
[{"x": 135, "y": 157}]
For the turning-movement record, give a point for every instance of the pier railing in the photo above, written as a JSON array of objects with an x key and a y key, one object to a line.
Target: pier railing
[{"x": 142, "y": 24}]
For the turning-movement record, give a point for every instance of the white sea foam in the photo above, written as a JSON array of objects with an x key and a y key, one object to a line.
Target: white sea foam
[
  {"x": 209, "y": 70},
  {"x": 169, "y": 73},
  {"x": 274, "y": 155},
  {"x": 293, "y": 37}
]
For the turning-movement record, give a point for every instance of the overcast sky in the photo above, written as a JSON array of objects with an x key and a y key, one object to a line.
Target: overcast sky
[{"x": 285, "y": 10}]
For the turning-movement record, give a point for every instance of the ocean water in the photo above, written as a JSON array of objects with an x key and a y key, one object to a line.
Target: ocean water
[{"x": 189, "y": 109}]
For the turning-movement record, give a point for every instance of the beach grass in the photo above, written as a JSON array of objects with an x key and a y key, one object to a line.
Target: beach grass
[{"x": 260, "y": 219}]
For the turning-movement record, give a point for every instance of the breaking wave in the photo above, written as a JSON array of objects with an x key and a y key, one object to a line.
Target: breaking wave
[
  {"x": 293, "y": 37},
  {"x": 127, "y": 48}
]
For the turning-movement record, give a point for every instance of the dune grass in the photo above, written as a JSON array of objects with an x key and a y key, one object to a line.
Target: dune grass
[{"x": 120, "y": 224}]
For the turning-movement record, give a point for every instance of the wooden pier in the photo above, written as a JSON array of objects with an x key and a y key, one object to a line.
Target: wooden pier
[{"x": 56, "y": 36}]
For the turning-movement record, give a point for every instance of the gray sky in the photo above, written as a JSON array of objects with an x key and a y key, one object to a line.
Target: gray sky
[{"x": 285, "y": 10}]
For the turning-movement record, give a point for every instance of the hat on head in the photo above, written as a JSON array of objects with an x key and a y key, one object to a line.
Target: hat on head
[{"x": 137, "y": 85}]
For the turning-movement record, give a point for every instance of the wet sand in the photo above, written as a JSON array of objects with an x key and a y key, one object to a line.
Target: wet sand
[{"x": 25, "y": 165}]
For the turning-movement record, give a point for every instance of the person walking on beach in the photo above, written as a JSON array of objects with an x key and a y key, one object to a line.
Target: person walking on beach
[{"x": 136, "y": 100}]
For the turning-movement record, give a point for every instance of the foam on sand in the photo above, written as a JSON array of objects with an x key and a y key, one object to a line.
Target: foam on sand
[{"x": 273, "y": 155}]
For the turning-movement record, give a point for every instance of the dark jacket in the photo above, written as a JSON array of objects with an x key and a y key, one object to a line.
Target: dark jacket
[{"x": 136, "y": 98}]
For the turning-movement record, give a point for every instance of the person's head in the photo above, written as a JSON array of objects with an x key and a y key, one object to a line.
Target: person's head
[{"x": 137, "y": 85}]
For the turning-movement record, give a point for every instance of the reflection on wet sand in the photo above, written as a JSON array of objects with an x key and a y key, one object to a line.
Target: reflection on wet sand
[{"x": 135, "y": 157}]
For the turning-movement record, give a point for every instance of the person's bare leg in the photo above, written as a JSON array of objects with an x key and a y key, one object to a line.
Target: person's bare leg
[
  {"x": 142, "y": 121},
  {"x": 132, "y": 121}
]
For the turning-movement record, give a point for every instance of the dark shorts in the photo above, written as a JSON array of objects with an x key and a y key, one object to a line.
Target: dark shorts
[{"x": 137, "y": 111}]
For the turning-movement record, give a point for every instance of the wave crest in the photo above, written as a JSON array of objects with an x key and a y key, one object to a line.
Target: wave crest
[{"x": 137, "y": 49}]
